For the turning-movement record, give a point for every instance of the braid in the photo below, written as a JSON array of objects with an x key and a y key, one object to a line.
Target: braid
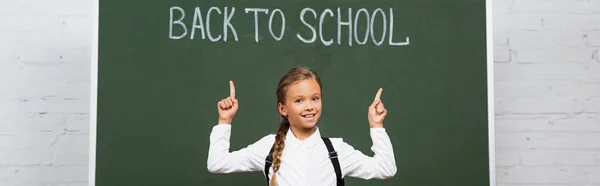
[
  {"x": 284, "y": 126},
  {"x": 293, "y": 75}
]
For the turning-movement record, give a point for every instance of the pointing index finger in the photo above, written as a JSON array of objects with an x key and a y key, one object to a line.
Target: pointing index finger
[
  {"x": 231, "y": 89},
  {"x": 378, "y": 95}
]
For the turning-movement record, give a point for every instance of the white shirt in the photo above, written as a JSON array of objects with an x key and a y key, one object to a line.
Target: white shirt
[{"x": 303, "y": 162}]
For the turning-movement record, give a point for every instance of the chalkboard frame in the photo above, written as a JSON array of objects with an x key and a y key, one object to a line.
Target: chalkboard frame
[{"x": 94, "y": 89}]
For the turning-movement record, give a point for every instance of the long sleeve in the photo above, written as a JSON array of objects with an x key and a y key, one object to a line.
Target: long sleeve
[
  {"x": 381, "y": 166},
  {"x": 248, "y": 159}
]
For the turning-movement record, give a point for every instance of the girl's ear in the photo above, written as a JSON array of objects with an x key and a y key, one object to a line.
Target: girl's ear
[{"x": 281, "y": 109}]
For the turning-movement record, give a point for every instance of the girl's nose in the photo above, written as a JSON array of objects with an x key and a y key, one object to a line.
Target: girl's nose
[{"x": 309, "y": 106}]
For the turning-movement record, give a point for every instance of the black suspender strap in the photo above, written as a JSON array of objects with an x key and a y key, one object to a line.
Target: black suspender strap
[
  {"x": 268, "y": 163},
  {"x": 332, "y": 156},
  {"x": 334, "y": 160}
]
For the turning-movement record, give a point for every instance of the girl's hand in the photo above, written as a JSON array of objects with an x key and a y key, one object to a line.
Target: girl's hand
[
  {"x": 377, "y": 112},
  {"x": 228, "y": 107}
]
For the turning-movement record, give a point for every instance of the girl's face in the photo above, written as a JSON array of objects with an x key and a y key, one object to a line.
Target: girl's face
[{"x": 302, "y": 104}]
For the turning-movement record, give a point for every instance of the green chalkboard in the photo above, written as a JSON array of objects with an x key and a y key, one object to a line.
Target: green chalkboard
[{"x": 163, "y": 65}]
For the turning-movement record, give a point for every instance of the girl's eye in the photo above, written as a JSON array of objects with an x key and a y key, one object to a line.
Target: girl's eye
[
  {"x": 315, "y": 99},
  {"x": 298, "y": 101}
]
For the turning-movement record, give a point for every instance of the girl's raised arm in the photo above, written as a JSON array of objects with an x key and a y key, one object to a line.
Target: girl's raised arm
[
  {"x": 220, "y": 159},
  {"x": 383, "y": 164},
  {"x": 248, "y": 159}
]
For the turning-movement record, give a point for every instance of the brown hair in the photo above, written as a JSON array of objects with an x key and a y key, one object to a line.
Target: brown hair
[{"x": 292, "y": 76}]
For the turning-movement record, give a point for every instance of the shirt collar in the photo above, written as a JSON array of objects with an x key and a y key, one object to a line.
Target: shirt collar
[{"x": 308, "y": 142}]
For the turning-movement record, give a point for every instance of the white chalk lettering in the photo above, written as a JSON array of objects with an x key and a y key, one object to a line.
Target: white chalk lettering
[
  {"x": 282, "y": 24},
  {"x": 227, "y": 24},
  {"x": 210, "y": 37},
  {"x": 407, "y": 42},
  {"x": 347, "y": 23},
  {"x": 197, "y": 19},
  {"x": 384, "y": 26},
  {"x": 356, "y": 26},
  {"x": 256, "y": 10},
  {"x": 179, "y": 22},
  {"x": 361, "y": 24},
  {"x": 314, "y": 36},
  {"x": 330, "y": 41}
]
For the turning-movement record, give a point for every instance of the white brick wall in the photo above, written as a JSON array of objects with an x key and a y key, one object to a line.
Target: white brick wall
[
  {"x": 547, "y": 92},
  {"x": 547, "y": 66},
  {"x": 44, "y": 97}
]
